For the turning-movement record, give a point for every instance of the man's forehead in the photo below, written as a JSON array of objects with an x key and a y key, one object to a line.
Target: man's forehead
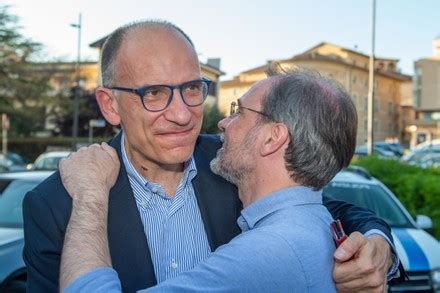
[
  {"x": 150, "y": 53},
  {"x": 257, "y": 91},
  {"x": 154, "y": 40}
]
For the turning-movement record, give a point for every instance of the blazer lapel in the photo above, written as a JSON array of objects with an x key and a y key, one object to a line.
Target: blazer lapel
[{"x": 127, "y": 241}]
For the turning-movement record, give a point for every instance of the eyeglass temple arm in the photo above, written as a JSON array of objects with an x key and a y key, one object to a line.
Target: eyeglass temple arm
[{"x": 233, "y": 104}]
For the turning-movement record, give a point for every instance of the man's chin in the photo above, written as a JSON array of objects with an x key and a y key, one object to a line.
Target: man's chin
[{"x": 216, "y": 168}]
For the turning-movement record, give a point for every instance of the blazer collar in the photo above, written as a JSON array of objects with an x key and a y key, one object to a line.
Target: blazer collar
[{"x": 129, "y": 250}]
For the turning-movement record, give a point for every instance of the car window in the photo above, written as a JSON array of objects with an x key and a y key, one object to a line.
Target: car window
[
  {"x": 11, "y": 198},
  {"x": 372, "y": 197},
  {"x": 47, "y": 163}
]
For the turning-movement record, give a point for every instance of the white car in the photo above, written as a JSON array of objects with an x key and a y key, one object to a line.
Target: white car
[
  {"x": 418, "y": 251},
  {"x": 48, "y": 161}
]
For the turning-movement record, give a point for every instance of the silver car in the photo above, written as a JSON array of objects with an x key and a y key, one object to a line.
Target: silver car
[{"x": 13, "y": 187}]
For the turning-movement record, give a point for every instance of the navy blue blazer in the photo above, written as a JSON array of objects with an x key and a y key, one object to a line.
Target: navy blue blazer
[{"x": 47, "y": 209}]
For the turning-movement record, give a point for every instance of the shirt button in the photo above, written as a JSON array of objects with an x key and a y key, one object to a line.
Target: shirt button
[
  {"x": 174, "y": 264},
  {"x": 154, "y": 190}
]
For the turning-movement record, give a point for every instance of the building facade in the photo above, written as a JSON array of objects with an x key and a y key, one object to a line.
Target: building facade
[
  {"x": 427, "y": 96},
  {"x": 393, "y": 109}
]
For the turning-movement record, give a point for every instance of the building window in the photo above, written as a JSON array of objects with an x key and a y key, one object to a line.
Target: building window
[
  {"x": 376, "y": 104},
  {"x": 354, "y": 98},
  {"x": 354, "y": 79},
  {"x": 213, "y": 89}
]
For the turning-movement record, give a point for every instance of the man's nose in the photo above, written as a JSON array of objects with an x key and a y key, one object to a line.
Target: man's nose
[
  {"x": 222, "y": 124},
  {"x": 178, "y": 111}
]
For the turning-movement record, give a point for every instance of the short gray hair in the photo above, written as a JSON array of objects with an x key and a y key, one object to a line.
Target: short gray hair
[
  {"x": 115, "y": 40},
  {"x": 322, "y": 123}
]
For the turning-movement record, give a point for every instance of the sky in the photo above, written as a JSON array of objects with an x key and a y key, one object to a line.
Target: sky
[{"x": 243, "y": 33}]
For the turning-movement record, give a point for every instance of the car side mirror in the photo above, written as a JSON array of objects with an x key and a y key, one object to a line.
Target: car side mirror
[{"x": 424, "y": 222}]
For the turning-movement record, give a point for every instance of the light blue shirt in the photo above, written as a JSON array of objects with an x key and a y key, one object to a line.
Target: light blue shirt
[
  {"x": 285, "y": 246},
  {"x": 173, "y": 226}
]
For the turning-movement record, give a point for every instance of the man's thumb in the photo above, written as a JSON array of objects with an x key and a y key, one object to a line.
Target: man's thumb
[{"x": 349, "y": 247}]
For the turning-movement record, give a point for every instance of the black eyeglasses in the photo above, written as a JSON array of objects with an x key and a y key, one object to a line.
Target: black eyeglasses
[
  {"x": 156, "y": 98},
  {"x": 235, "y": 107}
]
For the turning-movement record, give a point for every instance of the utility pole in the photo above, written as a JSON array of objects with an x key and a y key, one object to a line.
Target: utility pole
[
  {"x": 5, "y": 128},
  {"x": 77, "y": 87},
  {"x": 370, "y": 118}
]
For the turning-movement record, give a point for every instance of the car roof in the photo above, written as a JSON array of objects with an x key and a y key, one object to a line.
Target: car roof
[
  {"x": 55, "y": 154},
  {"x": 29, "y": 175},
  {"x": 354, "y": 177}
]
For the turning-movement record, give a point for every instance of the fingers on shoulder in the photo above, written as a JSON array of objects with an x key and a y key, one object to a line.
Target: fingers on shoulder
[{"x": 110, "y": 151}]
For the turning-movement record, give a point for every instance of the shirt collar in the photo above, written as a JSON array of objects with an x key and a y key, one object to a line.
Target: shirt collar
[
  {"x": 190, "y": 170},
  {"x": 286, "y": 197}
]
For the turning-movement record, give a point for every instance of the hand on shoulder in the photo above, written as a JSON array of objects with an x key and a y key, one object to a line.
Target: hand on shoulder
[{"x": 90, "y": 172}]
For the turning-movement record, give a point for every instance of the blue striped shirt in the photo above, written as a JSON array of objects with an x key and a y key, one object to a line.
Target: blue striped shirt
[{"x": 173, "y": 225}]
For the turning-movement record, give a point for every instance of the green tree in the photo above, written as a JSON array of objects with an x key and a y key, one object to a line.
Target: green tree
[
  {"x": 23, "y": 92},
  {"x": 211, "y": 117}
]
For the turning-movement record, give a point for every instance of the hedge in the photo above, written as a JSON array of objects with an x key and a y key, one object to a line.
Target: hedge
[{"x": 418, "y": 189}]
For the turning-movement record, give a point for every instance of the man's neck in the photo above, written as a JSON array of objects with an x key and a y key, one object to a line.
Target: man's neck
[
  {"x": 257, "y": 185},
  {"x": 167, "y": 175}
]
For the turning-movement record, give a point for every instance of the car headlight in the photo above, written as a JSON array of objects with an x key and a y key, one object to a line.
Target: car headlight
[{"x": 435, "y": 277}]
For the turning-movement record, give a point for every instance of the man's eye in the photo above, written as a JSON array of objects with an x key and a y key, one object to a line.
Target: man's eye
[
  {"x": 151, "y": 93},
  {"x": 193, "y": 87},
  {"x": 157, "y": 93}
]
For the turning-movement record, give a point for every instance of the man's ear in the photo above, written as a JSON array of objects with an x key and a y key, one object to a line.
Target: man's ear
[
  {"x": 108, "y": 105},
  {"x": 277, "y": 136}
]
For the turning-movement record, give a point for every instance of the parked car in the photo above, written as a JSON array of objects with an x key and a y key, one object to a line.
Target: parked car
[
  {"x": 11, "y": 162},
  {"x": 13, "y": 187},
  {"x": 418, "y": 251},
  {"x": 395, "y": 148},
  {"x": 435, "y": 143},
  {"x": 424, "y": 157},
  {"x": 362, "y": 151},
  {"x": 430, "y": 161},
  {"x": 48, "y": 160}
]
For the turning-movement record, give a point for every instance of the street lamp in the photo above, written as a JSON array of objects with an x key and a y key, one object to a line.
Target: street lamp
[
  {"x": 77, "y": 88},
  {"x": 370, "y": 117}
]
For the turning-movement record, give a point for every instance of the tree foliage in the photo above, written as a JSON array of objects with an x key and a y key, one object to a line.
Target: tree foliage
[
  {"x": 23, "y": 93},
  {"x": 62, "y": 113},
  {"x": 211, "y": 117},
  {"x": 418, "y": 189}
]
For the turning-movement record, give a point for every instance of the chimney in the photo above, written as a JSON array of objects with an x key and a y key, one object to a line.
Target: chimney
[
  {"x": 436, "y": 47},
  {"x": 214, "y": 62}
]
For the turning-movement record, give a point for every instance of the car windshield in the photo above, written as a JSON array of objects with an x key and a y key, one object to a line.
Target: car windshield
[
  {"x": 47, "y": 163},
  {"x": 372, "y": 197},
  {"x": 11, "y": 197}
]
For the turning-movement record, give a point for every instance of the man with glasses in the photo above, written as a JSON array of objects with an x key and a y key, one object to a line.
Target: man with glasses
[{"x": 167, "y": 211}]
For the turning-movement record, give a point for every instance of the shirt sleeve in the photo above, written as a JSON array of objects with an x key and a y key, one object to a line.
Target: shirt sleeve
[
  {"x": 100, "y": 280},
  {"x": 393, "y": 272}
]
